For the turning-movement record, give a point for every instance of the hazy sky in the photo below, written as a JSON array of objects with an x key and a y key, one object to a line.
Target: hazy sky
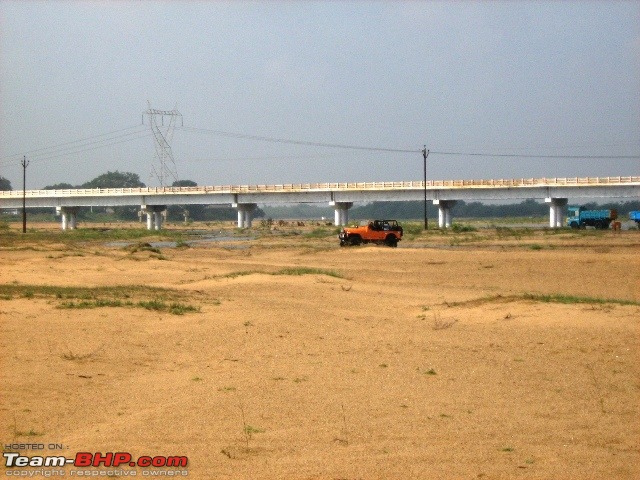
[{"x": 511, "y": 77}]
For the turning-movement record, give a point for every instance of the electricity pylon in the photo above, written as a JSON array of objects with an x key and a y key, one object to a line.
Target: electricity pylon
[{"x": 164, "y": 165}]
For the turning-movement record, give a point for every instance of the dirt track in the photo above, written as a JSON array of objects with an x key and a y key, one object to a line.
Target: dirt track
[{"x": 438, "y": 359}]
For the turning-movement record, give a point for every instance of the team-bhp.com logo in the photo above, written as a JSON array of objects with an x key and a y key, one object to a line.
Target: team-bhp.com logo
[{"x": 86, "y": 460}]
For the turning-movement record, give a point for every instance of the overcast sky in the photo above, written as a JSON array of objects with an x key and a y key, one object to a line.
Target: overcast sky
[{"x": 526, "y": 78}]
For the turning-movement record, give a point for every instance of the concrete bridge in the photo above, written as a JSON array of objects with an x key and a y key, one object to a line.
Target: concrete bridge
[{"x": 444, "y": 193}]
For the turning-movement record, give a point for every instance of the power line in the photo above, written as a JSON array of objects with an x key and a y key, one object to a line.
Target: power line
[
  {"x": 523, "y": 155},
  {"x": 145, "y": 135},
  {"x": 91, "y": 144},
  {"x": 295, "y": 142},
  {"x": 395, "y": 150},
  {"x": 559, "y": 147},
  {"x": 82, "y": 148},
  {"x": 313, "y": 156},
  {"x": 58, "y": 146},
  {"x": 95, "y": 142}
]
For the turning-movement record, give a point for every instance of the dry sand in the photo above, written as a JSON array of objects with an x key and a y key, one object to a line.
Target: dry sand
[{"x": 423, "y": 362}]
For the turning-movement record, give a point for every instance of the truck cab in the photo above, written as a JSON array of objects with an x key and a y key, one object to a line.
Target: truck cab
[{"x": 573, "y": 216}]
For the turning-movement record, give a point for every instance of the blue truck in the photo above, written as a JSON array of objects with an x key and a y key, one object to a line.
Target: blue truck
[
  {"x": 579, "y": 217},
  {"x": 635, "y": 216}
]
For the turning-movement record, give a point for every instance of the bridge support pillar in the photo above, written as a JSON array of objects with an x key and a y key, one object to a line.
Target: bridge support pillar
[
  {"x": 341, "y": 212},
  {"x": 244, "y": 214},
  {"x": 556, "y": 209},
  {"x": 69, "y": 217},
  {"x": 157, "y": 220},
  {"x": 155, "y": 215},
  {"x": 444, "y": 212}
]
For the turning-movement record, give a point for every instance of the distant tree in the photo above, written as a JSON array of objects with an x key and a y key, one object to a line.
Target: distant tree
[
  {"x": 404, "y": 210},
  {"x": 176, "y": 212},
  {"x": 623, "y": 208},
  {"x": 303, "y": 211},
  {"x": 184, "y": 183},
  {"x": 527, "y": 208},
  {"x": 5, "y": 184},
  {"x": 115, "y": 180},
  {"x": 59, "y": 186},
  {"x": 200, "y": 212}
]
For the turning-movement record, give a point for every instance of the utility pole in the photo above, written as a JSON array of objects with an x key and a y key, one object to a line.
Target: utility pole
[
  {"x": 425, "y": 154},
  {"x": 24, "y": 193}
]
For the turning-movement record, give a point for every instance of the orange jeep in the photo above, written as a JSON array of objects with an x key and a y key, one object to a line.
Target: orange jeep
[{"x": 386, "y": 232}]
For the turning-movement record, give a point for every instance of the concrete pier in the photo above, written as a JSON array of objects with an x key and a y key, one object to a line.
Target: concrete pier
[
  {"x": 341, "y": 212},
  {"x": 155, "y": 215},
  {"x": 244, "y": 214},
  {"x": 444, "y": 212},
  {"x": 556, "y": 211},
  {"x": 69, "y": 217}
]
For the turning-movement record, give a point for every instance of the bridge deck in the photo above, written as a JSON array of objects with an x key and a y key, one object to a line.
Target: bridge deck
[{"x": 333, "y": 187}]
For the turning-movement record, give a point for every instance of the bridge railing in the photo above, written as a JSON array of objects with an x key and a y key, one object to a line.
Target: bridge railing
[{"x": 301, "y": 187}]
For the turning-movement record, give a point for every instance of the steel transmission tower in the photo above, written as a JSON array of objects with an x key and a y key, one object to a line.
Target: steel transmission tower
[{"x": 164, "y": 165}]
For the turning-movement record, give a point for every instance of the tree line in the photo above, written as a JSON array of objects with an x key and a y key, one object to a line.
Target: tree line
[{"x": 527, "y": 208}]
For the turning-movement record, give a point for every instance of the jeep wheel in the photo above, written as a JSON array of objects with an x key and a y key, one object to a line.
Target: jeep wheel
[
  {"x": 356, "y": 240},
  {"x": 391, "y": 241}
]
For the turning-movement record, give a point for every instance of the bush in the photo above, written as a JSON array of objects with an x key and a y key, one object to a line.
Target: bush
[{"x": 457, "y": 227}]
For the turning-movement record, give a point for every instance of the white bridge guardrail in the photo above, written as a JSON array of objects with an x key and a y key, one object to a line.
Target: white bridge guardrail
[{"x": 346, "y": 186}]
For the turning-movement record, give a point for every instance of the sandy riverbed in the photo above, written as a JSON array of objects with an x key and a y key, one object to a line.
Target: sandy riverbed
[{"x": 438, "y": 359}]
